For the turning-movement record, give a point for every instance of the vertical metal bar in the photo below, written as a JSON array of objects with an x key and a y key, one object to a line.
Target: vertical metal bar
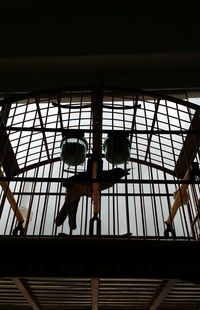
[
  {"x": 160, "y": 199},
  {"x": 125, "y": 184},
  {"x": 60, "y": 172},
  {"x": 195, "y": 200},
  {"x": 82, "y": 216},
  {"x": 113, "y": 188},
  {"x": 39, "y": 185},
  {"x": 127, "y": 205},
  {"x": 70, "y": 108},
  {"x": 135, "y": 204},
  {"x": 190, "y": 219},
  {"x": 153, "y": 202},
  {"x": 133, "y": 126},
  {"x": 2, "y": 203},
  {"x": 109, "y": 215},
  {"x": 140, "y": 193},
  {"x": 97, "y": 109},
  {"x": 48, "y": 185},
  {"x": 90, "y": 144},
  {"x": 141, "y": 183},
  {"x": 47, "y": 196},
  {"x": 26, "y": 161},
  {"x": 164, "y": 174},
  {"x": 79, "y": 126},
  {"x": 59, "y": 195},
  {"x": 148, "y": 154},
  {"x": 41, "y": 170},
  {"x": 184, "y": 221},
  {"x": 194, "y": 187},
  {"x": 179, "y": 121},
  {"x": 194, "y": 138},
  {"x": 33, "y": 187},
  {"x": 86, "y": 215},
  {"x": 173, "y": 154}
]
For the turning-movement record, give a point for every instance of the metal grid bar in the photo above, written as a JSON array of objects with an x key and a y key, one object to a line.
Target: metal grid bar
[
  {"x": 138, "y": 204},
  {"x": 42, "y": 127},
  {"x": 152, "y": 128}
]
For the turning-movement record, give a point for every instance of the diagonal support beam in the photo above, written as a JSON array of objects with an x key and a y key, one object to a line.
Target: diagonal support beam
[
  {"x": 19, "y": 284},
  {"x": 179, "y": 198},
  {"x": 42, "y": 126},
  {"x": 190, "y": 147},
  {"x": 7, "y": 155},
  {"x": 152, "y": 128},
  {"x": 163, "y": 293},
  {"x": 11, "y": 198}
]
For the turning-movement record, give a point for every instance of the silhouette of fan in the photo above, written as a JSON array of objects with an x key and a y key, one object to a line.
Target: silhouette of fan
[{"x": 80, "y": 185}]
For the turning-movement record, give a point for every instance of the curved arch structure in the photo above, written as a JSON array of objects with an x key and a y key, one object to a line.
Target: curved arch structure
[{"x": 164, "y": 136}]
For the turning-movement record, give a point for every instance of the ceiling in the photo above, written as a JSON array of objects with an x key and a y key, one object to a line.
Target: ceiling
[
  {"x": 138, "y": 44},
  {"x": 98, "y": 293},
  {"x": 93, "y": 293}
]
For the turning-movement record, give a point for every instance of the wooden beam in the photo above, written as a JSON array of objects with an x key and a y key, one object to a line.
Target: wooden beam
[
  {"x": 11, "y": 199},
  {"x": 197, "y": 216},
  {"x": 190, "y": 147},
  {"x": 25, "y": 293},
  {"x": 7, "y": 156},
  {"x": 162, "y": 294},
  {"x": 182, "y": 192},
  {"x": 95, "y": 293}
]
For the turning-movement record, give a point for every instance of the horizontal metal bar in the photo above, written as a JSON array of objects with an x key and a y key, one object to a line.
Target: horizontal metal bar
[
  {"x": 102, "y": 194},
  {"x": 107, "y": 91},
  {"x": 134, "y": 131},
  {"x": 135, "y": 181}
]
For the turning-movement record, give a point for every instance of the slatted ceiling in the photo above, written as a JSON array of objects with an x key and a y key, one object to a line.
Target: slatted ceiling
[
  {"x": 121, "y": 294},
  {"x": 184, "y": 295},
  {"x": 14, "y": 306},
  {"x": 54, "y": 294},
  {"x": 125, "y": 294},
  {"x": 11, "y": 297}
]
